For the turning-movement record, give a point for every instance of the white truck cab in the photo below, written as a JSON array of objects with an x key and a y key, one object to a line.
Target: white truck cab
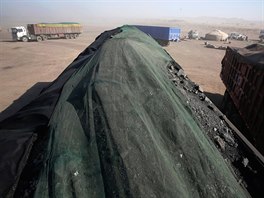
[{"x": 20, "y": 34}]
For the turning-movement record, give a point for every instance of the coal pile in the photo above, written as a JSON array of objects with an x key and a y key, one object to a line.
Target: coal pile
[{"x": 248, "y": 167}]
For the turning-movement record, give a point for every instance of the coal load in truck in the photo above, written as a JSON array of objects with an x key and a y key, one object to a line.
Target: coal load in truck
[
  {"x": 114, "y": 125},
  {"x": 55, "y": 29}
]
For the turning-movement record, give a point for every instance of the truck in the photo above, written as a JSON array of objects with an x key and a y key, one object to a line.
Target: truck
[
  {"x": 44, "y": 31},
  {"x": 261, "y": 35},
  {"x": 163, "y": 35},
  {"x": 237, "y": 36},
  {"x": 243, "y": 102}
]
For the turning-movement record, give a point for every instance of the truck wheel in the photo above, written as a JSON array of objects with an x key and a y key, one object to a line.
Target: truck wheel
[
  {"x": 25, "y": 39},
  {"x": 72, "y": 36},
  {"x": 39, "y": 38},
  {"x": 44, "y": 37},
  {"x": 67, "y": 36}
]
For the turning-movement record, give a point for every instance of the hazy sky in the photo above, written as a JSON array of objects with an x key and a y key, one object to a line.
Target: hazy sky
[{"x": 14, "y": 12}]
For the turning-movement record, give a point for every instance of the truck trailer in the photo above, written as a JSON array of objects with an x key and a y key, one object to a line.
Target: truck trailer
[
  {"x": 163, "y": 35},
  {"x": 243, "y": 102},
  {"x": 130, "y": 134},
  {"x": 44, "y": 31}
]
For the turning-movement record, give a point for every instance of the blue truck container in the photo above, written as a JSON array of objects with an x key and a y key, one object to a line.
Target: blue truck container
[
  {"x": 174, "y": 34},
  {"x": 162, "y": 34}
]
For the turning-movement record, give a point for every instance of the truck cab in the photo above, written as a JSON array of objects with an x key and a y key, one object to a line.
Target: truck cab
[{"x": 19, "y": 34}]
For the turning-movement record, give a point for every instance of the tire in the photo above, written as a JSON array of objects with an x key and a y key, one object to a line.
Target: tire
[
  {"x": 72, "y": 36},
  {"x": 44, "y": 37},
  {"x": 25, "y": 39},
  {"x": 67, "y": 36},
  {"x": 39, "y": 38}
]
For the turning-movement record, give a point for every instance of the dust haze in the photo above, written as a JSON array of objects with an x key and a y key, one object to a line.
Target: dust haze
[{"x": 25, "y": 64}]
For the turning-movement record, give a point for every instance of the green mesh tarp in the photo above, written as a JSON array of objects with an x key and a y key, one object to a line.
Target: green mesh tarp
[{"x": 120, "y": 128}]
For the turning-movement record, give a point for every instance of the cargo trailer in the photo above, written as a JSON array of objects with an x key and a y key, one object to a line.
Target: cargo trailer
[
  {"x": 44, "y": 31},
  {"x": 243, "y": 75},
  {"x": 91, "y": 132},
  {"x": 163, "y": 35}
]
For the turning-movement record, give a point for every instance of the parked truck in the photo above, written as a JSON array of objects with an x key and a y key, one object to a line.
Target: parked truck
[
  {"x": 163, "y": 35},
  {"x": 44, "y": 31},
  {"x": 243, "y": 103},
  {"x": 261, "y": 35}
]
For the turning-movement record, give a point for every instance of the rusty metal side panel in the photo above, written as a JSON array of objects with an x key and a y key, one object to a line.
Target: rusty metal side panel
[{"x": 245, "y": 84}]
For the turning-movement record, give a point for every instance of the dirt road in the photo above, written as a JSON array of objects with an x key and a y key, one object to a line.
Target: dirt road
[{"x": 25, "y": 64}]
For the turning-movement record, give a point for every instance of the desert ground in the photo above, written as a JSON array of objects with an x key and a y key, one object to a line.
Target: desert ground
[{"x": 26, "y": 65}]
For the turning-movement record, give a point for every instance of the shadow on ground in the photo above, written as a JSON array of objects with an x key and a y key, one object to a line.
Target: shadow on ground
[
  {"x": 23, "y": 100},
  {"x": 8, "y": 41},
  {"x": 215, "y": 98}
]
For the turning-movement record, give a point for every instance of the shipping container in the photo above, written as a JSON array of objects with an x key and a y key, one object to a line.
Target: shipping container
[
  {"x": 243, "y": 75},
  {"x": 162, "y": 34},
  {"x": 174, "y": 34}
]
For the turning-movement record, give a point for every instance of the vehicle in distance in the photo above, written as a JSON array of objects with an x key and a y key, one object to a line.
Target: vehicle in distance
[
  {"x": 163, "y": 35},
  {"x": 237, "y": 36},
  {"x": 261, "y": 35},
  {"x": 44, "y": 31},
  {"x": 193, "y": 34}
]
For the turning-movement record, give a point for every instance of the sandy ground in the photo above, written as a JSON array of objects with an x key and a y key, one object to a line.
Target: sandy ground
[
  {"x": 203, "y": 65},
  {"x": 23, "y": 65}
]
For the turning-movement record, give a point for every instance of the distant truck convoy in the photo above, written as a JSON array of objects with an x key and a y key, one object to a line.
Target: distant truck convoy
[
  {"x": 163, "y": 35},
  {"x": 44, "y": 31},
  {"x": 243, "y": 103}
]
